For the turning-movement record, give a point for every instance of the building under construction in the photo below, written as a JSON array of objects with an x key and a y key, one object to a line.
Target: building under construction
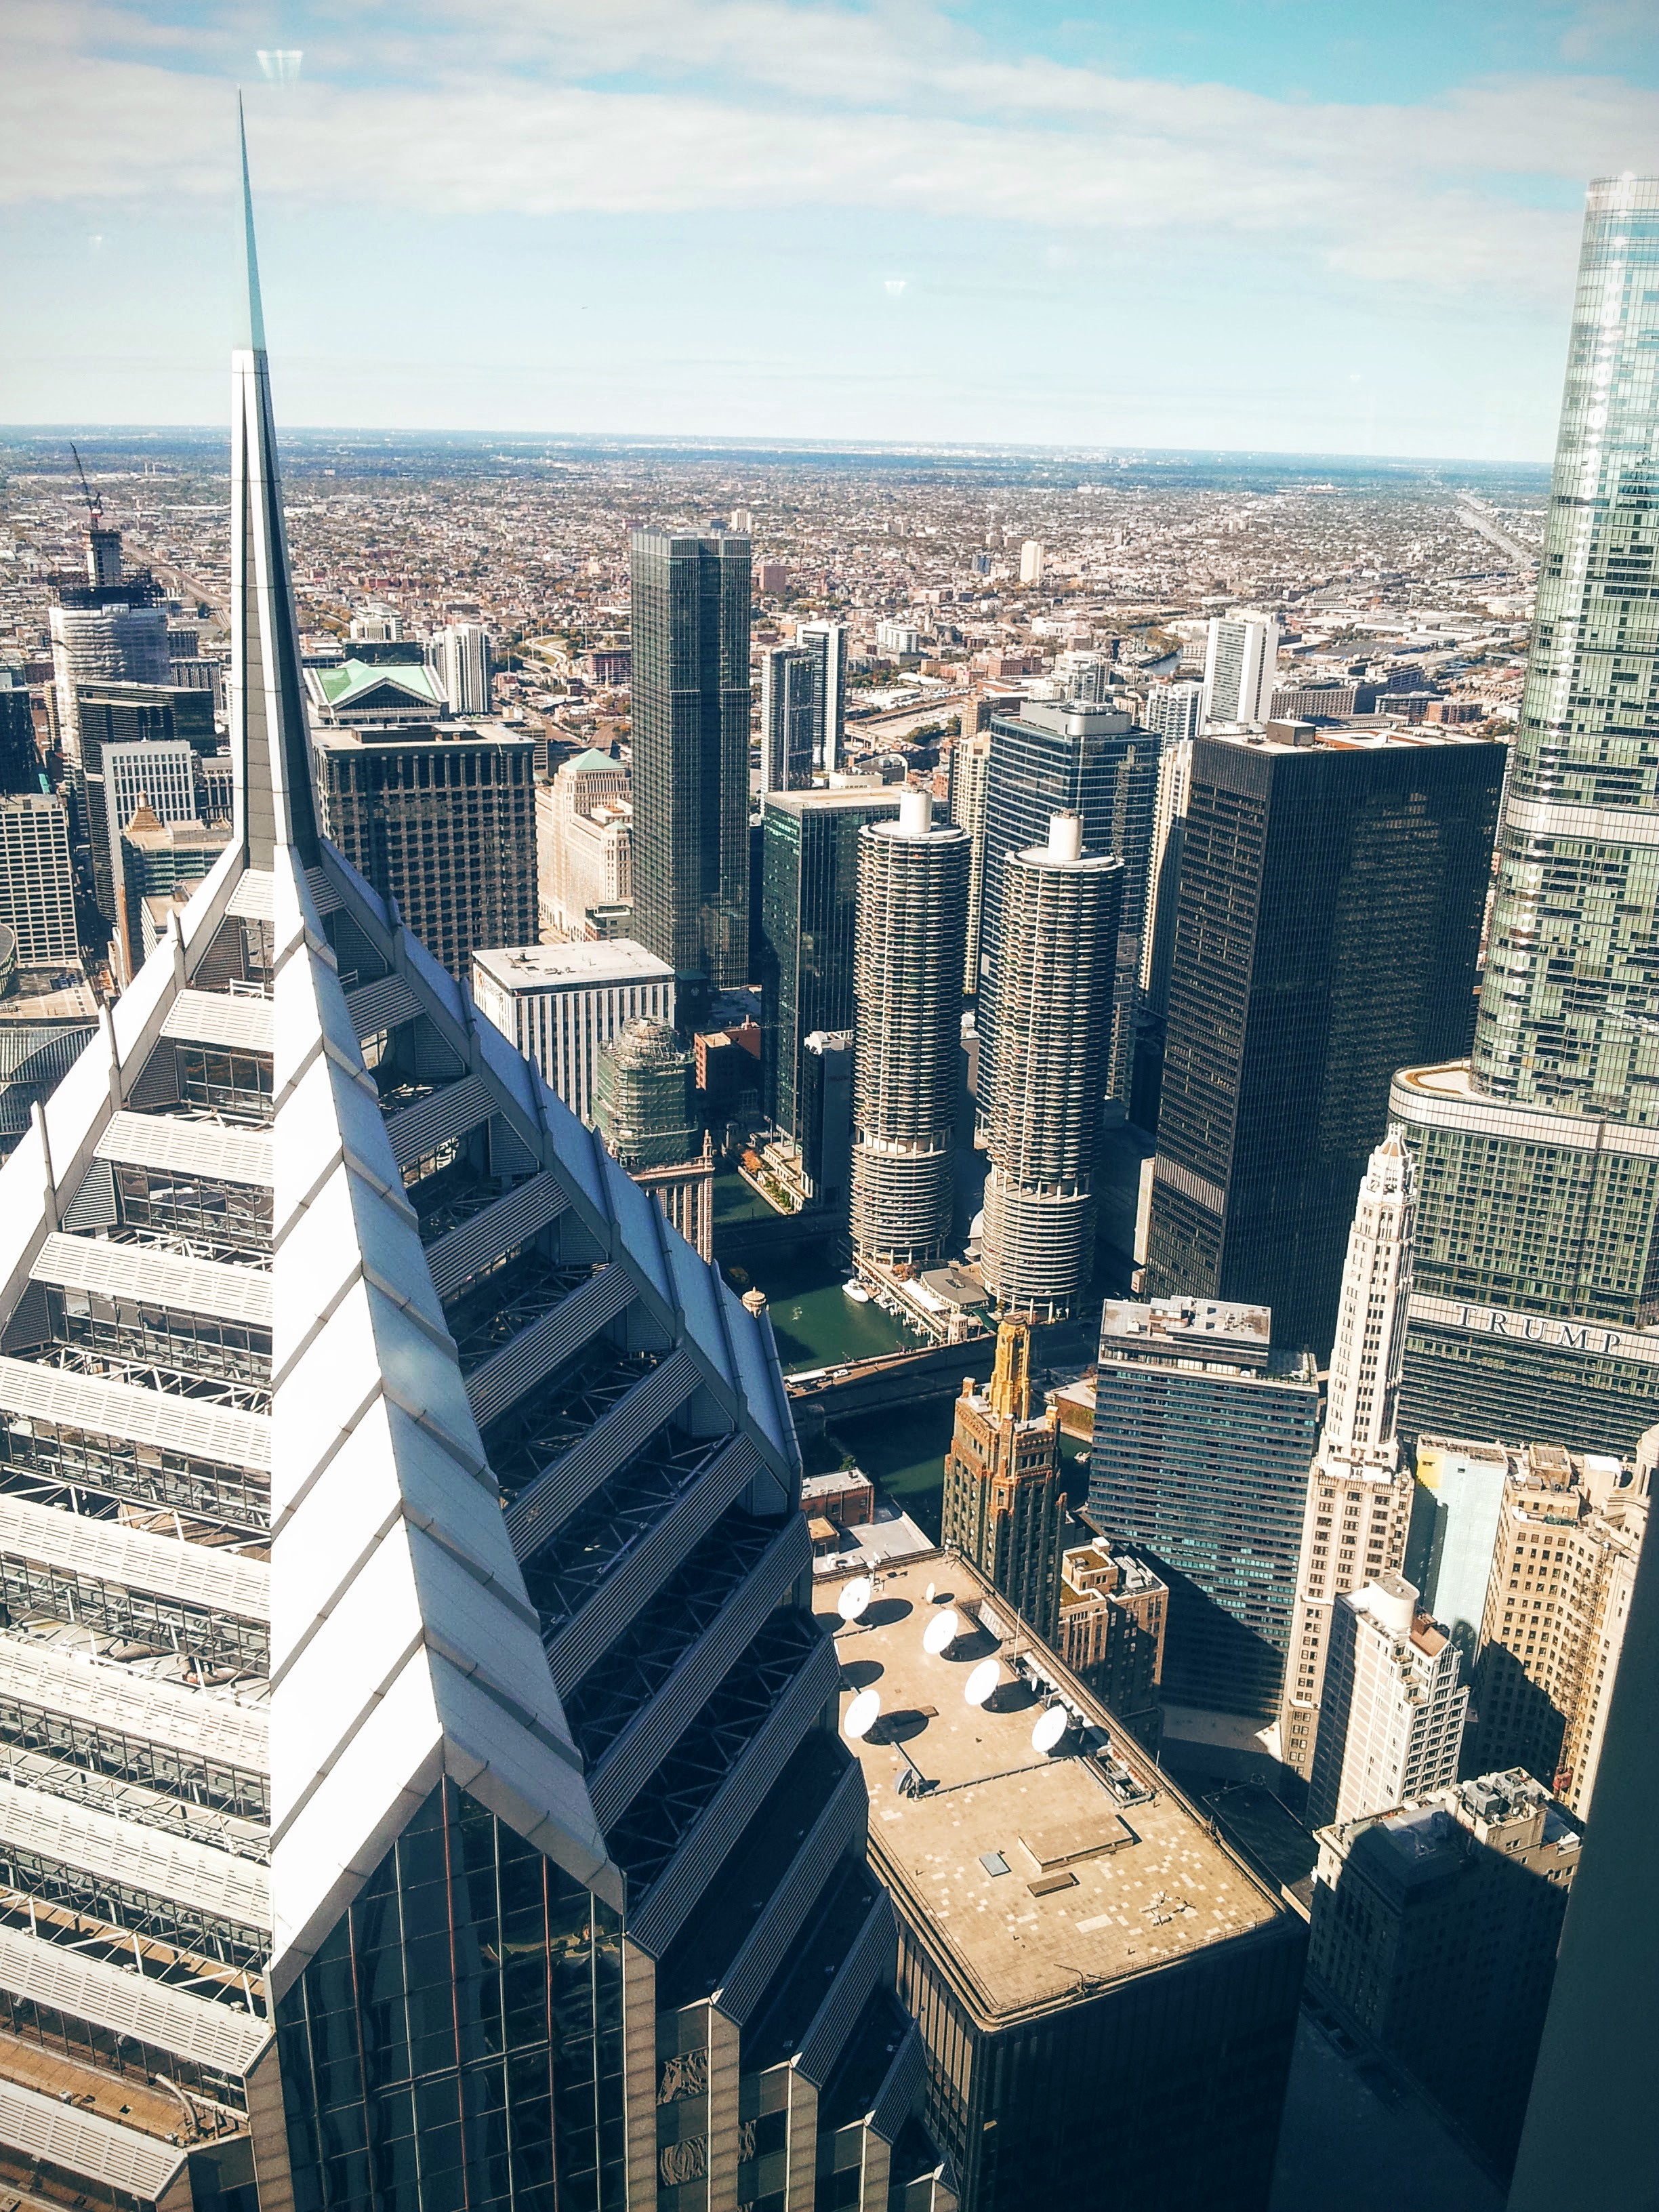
[{"x": 645, "y": 1108}]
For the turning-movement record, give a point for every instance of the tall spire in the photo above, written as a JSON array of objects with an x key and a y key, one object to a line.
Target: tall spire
[{"x": 270, "y": 741}]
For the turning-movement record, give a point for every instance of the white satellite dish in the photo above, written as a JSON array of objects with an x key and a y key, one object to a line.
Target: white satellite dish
[
  {"x": 861, "y": 1715},
  {"x": 855, "y": 1597},
  {"x": 981, "y": 1682},
  {"x": 930, "y": 1593},
  {"x": 941, "y": 1631},
  {"x": 1050, "y": 1726}
]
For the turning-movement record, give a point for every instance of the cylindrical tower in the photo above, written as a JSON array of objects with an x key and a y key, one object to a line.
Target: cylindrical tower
[
  {"x": 1054, "y": 991},
  {"x": 645, "y": 1096},
  {"x": 907, "y": 992}
]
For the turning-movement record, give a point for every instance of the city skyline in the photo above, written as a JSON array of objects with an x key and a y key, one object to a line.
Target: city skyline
[{"x": 1333, "y": 194}]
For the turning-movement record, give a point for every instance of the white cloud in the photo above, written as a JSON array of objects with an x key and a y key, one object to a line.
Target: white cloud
[{"x": 532, "y": 109}]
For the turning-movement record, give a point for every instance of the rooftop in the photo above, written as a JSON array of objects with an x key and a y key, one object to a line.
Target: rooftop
[
  {"x": 1037, "y": 1876},
  {"x": 553, "y": 967},
  {"x": 1211, "y": 1330}
]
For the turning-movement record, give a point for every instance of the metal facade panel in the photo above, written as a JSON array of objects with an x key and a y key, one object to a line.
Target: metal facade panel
[
  {"x": 203, "y": 1148},
  {"x": 672, "y": 1898},
  {"x": 219, "y": 1433},
  {"x": 648, "y": 1566},
  {"x": 131, "y": 2003},
  {"x": 110, "y": 1552},
  {"x": 655, "y": 1399},
  {"x": 120, "y": 2157},
  {"x": 643, "y": 1745},
  {"x": 537, "y": 1351},
  {"x": 202, "y": 1724},
  {"x": 872, "y": 1957},
  {"x": 516, "y": 1215},
  {"x": 242, "y": 1022},
  {"x": 145, "y": 1858},
  {"x": 839, "y": 1824},
  {"x": 421, "y": 1128},
  {"x": 162, "y": 1278}
]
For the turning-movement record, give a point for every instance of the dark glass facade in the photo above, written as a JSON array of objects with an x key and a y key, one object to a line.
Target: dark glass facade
[
  {"x": 1207, "y": 1474},
  {"x": 457, "y": 2042},
  {"x": 1326, "y": 933},
  {"x": 691, "y": 766},
  {"x": 809, "y": 914},
  {"x": 19, "y": 760},
  {"x": 1166, "y": 2089},
  {"x": 1089, "y": 760}
]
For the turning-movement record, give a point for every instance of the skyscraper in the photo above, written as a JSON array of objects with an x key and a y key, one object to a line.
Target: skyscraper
[
  {"x": 1203, "y": 1439},
  {"x": 1174, "y": 780},
  {"x": 912, "y": 907},
  {"x": 109, "y": 629},
  {"x": 1391, "y": 1725},
  {"x": 37, "y": 882},
  {"x": 971, "y": 783},
  {"x": 788, "y": 688},
  {"x": 827, "y": 643},
  {"x": 808, "y": 932},
  {"x": 1538, "y": 1246},
  {"x": 20, "y": 757},
  {"x": 1565, "y": 1558},
  {"x": 1330, "y": 915},
  {"x": 1359, "y": 1496},
  {"x": 690, "y": 765},
  {"x": 584, "y": 842},
  {"x": 645, "y": 1109},
  {"x": 1596, "y": 2055},
  {"x": 1175, "y": 711},
  {"x": 561, "y": 1005},
  {"x": 440, "y": 816},
  {"x": 1053, "y": 986},
  {"x": 1241, "y": 666},
  {"x": 1003, "y": 1505},
  {"x": 431, "y": 1790},
  {"x": 460, "y": 657},
  {"x": 1055, "y": 757},
  {"x": 111, "y": 713}
]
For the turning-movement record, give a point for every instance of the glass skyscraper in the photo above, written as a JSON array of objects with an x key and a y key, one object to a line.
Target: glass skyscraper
[
  {"x": 1069, "y": 757},
  {"x": 808, "y": 918},
  {"x": 1536, "y": 1307},
  {"x": 1329, "y": 915},
  {"x": 691, "y": 766}
]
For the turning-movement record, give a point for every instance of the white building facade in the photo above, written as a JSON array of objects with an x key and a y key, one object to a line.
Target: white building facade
[
  {"x": 37, "y": 884},
  {"x": 1392, "y": 1726},
  {"x": 561, "y": 1005},
  {"x": 1241, "y": 668}
]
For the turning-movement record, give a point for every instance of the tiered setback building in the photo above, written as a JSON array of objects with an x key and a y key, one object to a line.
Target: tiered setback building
[
  {"x": 415, "y": 1743},
  {"x": 1003, "y": 1505},
  {"x": 1328, "y": 916},
  {"x": 561, "y": 1005},
  {"x": 1202, "y": 1442},
  {"x": 1053, "y": 988},
  {"x": 1113, "y": 1610},
  {"x": 1107, "y": 1994},
  {"x": 912, "y": 908},
  {"x": 1360, "y": 1493},
  {"x": 1537, "y": 1311},
  {"x": 584, "y": 843}
]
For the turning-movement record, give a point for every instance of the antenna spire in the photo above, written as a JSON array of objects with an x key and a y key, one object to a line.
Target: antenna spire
[{"x": 254, "y": 319}]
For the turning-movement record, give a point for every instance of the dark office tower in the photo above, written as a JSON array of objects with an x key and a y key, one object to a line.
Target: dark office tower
[
  {"x": 414, "y": 1753},
  {"x": 440, "y": 818},
  {"x": 907, "y": 977},
  {"x": 1327, "y": 926},
  {"x": 20, "y": 758},
  {"x": 690, "y": 770},
  {"x": 827, "y": 643},
  {"x": 1053, "y": 988},
  {"x": 1090, "y": 761},
  {"x": 1596, "y": 2057},
  {"x": 808, "y": 920},
  {"x": 1003, "y": 1505},
  {"x": 1203, "y": 1438},
  {"x": 1536, "y": 1307},
  {"x": 788, "y": 691}
]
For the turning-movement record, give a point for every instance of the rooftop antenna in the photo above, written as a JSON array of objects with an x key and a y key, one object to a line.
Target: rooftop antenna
[{"x": 94, "y": 500}]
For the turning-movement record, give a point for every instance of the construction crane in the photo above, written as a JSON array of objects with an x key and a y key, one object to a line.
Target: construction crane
[{"x": 95, "y": 499}]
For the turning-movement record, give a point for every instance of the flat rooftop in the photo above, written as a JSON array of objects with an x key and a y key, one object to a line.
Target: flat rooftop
[
  {"x": 1111, "y": 1871},
  {"x": 1188, "y": 1328},
  {"x": 571, "y": 967}
]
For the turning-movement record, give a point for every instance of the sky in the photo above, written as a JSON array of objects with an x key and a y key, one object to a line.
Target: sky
[{"x": 1253, "y": 225}]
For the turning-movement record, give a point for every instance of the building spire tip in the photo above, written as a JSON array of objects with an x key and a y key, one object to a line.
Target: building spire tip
[{"x": 253, "y": 320}]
